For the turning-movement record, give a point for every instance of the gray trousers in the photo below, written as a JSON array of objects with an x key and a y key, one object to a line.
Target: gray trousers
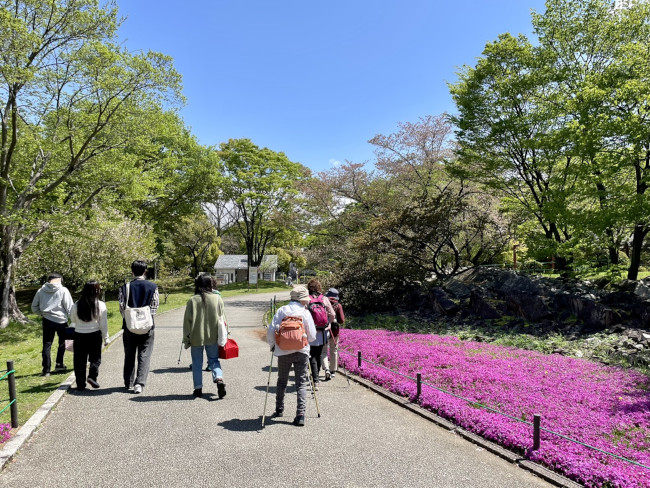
[
  {"x": 142, "y": 346},
  {"x": 299, "y": 362}
]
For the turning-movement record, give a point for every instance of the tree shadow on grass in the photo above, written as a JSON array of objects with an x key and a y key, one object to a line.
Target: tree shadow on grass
[{"x": 239, "y": 425}]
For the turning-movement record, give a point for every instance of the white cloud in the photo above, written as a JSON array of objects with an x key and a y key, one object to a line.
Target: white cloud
[{"x": 335, "y": 162}]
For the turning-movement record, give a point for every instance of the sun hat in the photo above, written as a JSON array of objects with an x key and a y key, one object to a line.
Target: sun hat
[
  {"x": 299, "y": 293},
  {"x": 332, "y": 293}
]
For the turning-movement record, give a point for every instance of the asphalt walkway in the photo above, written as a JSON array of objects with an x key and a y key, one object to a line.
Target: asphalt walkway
[{"x": 165, "y": 437}]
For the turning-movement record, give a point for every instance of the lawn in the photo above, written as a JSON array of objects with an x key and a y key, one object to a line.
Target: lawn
[
  {"x": 22, "y": 343},
  {"x": 603, "y": 406}
]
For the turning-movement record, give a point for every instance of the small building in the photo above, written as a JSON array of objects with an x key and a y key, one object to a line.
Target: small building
[{"x": 233, "y": 268}]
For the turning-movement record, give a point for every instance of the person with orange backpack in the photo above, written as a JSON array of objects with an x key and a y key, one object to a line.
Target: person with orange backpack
[
  {"x": 323, "y": 314},
  {"x": 289, "y": 335}
]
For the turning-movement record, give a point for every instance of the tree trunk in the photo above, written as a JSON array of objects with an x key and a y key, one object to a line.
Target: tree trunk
[
  {"x": 640, "y": 231},
  {"x": 613, "y": 254},
  {"x": 8, "y": 305}
]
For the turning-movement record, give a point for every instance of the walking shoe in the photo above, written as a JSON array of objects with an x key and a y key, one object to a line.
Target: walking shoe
[
  {"x": 45, "y": 373},
  {"x": 198, "y": 393},
  {"x": 333, "y": 374},
  {"x": 92, "y": 382},
  {"x": 128, "y": 387},
  {"x": 207, "y": 368},
  {"x": 60, "y": 367},
  {"x": 221, "y": 388},
  {"x": 328, "y": 375},
  {"x": 315, "y": 386},
  {"x": 81, "y": 388},
  {"x": 279, "y": 412},
  {"x": 299, "y": 421},
  {"x": 137, "y": 388}
]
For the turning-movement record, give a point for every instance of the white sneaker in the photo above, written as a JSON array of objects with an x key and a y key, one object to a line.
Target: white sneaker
[{"x": 137, "y": 388}]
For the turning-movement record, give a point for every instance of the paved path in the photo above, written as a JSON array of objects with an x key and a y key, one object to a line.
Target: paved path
[{"x": 164, "y": 437}]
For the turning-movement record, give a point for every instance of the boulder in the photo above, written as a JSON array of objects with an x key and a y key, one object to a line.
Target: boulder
[
  {"x": 529, "y": 306},
  {"x": 642, "y": 290},
  {"x": 594, "y": 315},
  {"x": 626, "y": 285},
  {"x": 481, "y": 307},
  {"x": 442, "y": 303},
  {"x": 457, "y": 288}
]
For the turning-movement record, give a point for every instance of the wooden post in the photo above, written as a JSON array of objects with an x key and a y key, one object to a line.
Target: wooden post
[
  {"x": 536, "y": 432},
  {"x": 12, "y": 395}
]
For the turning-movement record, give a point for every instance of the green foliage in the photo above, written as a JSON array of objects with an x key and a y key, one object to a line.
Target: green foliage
[{"x": 96, "y": 244}]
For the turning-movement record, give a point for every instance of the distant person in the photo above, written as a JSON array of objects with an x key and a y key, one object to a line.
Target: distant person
[
  {"x": 142, "y": 293},
  {"x": 54, "y": 303},
  {"x": 322, "y": 314},
  {"x": 204, "y": 327},
  {"x": 333, "y": 341},
  {"x": 297, "y": 356},
  {"x": 90, "y": 322}
]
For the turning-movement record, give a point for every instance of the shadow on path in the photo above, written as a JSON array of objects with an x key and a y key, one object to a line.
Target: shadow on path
[{"x": 239, "y": 425}]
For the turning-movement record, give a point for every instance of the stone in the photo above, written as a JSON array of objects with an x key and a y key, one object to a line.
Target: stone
[
  {"x": 529, "y": 306},
  {"x": 442, "y": 303},
  {"x": 642, "y": 290},
  {"x": 482, "y": 308},
  {"x": 457, "y": 288}
]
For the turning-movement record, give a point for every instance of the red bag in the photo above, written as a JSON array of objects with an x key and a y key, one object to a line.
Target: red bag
[
  {"x": 291, "y": 336},
  {"x": 229, "y": 351}
]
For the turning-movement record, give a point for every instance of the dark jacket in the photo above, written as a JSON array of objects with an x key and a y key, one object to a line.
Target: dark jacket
[{"x": 142, "y": 293}]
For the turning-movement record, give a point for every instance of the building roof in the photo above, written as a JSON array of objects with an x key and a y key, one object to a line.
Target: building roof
[{"x": 240, "y": 261}]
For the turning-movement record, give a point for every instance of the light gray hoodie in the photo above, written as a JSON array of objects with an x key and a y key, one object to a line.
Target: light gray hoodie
[{"x": 53, "y": 302}]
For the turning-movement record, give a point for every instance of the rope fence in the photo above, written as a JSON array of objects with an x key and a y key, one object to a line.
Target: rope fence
[
  {"x": 536, "y": 424},
  {"x": 12, "y": 405}
]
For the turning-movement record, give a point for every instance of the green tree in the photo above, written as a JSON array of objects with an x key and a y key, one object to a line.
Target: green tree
[
  {"x": 259, "y": 187},
  {"x": 70, "y": 100},
  {"x": 195, "y": 243}
]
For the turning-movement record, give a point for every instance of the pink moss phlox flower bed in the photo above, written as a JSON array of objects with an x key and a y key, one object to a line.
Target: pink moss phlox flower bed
[
  {"x": 5, "y": 433},
  {"x": 603, "y": 406}
]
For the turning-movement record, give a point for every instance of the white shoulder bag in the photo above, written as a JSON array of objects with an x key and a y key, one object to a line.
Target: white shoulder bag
[{"x": 138, "y": 319}]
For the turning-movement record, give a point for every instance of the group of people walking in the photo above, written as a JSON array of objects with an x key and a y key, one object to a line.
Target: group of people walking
[
  {"x": 315, "y": 346},
  {"x": 88, "y": 327},
  {"x": 304, "y": 335}
]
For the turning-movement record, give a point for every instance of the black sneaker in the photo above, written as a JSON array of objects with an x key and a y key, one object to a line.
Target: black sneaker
[
  {"x": 328, "y": 375},
  {"x": 45, "y": 373},
  {"x": 207, "y": 368},
  {"x": 279, "y": 413},
  {"x": 299, "y": 421},
  {"x": 92, "y": 382},
  {"x": 60, "y": 367},
  {"x": 198, "y": 393},
  {"x": 221, "y": 388}
]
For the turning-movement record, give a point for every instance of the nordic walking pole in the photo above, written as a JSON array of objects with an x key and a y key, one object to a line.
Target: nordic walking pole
[
  {"x": 313, "y": 390},
  {"x": 268, "y": 382},
  {"x": 179, "y": 354}
]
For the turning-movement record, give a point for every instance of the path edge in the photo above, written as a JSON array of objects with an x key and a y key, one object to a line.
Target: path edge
[{"x": 36, "y": 420}]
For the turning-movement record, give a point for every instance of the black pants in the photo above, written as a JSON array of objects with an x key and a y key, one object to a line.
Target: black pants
[
  {"x": 314, "y": 358},
  {"x": 50, "y": 329},
  {"x": 87, "y": 348},
  {"x": 140, "y": 345}
]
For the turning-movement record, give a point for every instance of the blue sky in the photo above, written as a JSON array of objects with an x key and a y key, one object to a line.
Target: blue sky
[{"x": 316, "y": 80}]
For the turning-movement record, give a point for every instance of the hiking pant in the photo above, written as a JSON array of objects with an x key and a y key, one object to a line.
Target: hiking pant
[
  {"x": 50, "y": 329},
  {"x": 315, "y": 353},
  {"x": 142, "y": 344},
  {"x": 87, "y": 348},
  {"x": 332, "y": 349},
  {"x": 212, "y": 352},
  {"x": 299, "y": 362}
]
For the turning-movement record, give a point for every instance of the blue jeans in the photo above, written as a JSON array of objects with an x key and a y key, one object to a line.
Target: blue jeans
[{"x": 212, "y": 351}]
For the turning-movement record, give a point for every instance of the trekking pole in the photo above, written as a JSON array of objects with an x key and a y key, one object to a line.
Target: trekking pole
[
  {"x": 268, "y": 382},
  {"x": 179, "y": 354},
  {"x": 313, "y": 390}
]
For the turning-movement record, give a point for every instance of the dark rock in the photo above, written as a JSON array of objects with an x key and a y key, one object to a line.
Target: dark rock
[
  {"x": 481, "y": 307},
  {"x": 457, "y": 288},
  {"x": 529, "y": 306},
  {"x": 601, "y": 282},
  {"x": 594, "y": 315},
  {"x": 642, "y": 290},
  {"x": 626, "y": 286},
  {"x": 442, "y": 303}
]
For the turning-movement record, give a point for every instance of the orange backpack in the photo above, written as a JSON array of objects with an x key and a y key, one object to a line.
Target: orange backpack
[{"x": 291, "y": 335}]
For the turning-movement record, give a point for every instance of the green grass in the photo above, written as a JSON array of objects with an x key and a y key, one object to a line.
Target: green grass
[{"x": 23, "y": 343}]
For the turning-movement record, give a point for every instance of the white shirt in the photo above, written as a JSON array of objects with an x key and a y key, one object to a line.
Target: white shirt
[{"x": 100, "y": 323}]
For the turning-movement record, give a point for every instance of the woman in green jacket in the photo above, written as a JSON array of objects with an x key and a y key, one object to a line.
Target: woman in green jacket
[{"x": 204, "y": 327}]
